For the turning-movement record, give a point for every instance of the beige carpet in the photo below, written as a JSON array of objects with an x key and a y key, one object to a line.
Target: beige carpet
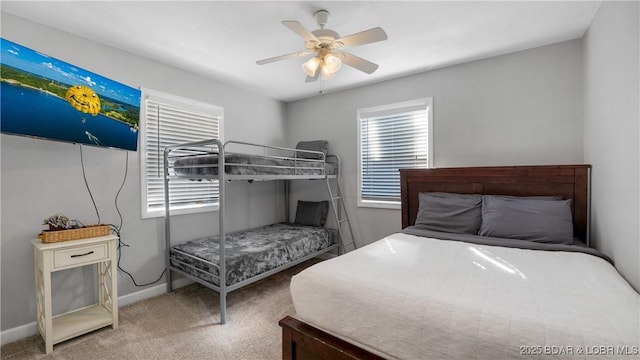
[{"x": 184, "y": 325}]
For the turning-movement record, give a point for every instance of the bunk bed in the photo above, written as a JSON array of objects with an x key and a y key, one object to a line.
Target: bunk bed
[{"x": 228, "y": 261}]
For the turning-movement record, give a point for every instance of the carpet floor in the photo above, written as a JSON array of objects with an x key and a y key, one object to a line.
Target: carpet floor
[{"x": 184, "y": 324}]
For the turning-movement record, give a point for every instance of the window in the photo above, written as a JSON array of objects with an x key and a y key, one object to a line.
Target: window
[
  {"x": 391, "y": 137},
  {"x": 168, "y": 120}
]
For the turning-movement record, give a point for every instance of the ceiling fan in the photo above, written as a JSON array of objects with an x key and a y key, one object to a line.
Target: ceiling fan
[{"x": 326, "y": 45}]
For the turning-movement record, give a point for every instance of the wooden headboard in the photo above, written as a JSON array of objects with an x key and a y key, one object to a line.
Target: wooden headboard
[{"x": 568, "y": 181}]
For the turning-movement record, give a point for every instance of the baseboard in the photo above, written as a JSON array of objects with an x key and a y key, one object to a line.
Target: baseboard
[
  {"x": 23, "y": 331},
  {"x": 18, "y": 332},
  {"x": 134, "y": 297}
]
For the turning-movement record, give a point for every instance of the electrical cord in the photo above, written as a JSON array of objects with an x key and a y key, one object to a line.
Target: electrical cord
[
  {"x": 117, "y": 229},
  {"x": 126, "y": 171},
  {"x": 121, "y": 244},
  {"x": 86, "y": 183}
]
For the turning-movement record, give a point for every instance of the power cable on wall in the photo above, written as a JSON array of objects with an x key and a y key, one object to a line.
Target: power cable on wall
[
  {"x": 117, "y": 229},
  {"x": 84, "y": 176}
]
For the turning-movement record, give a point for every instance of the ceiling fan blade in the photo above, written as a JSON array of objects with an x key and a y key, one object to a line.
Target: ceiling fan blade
[
  {"x": 283, "y": 57},
  {"x": 363, "y": 37},
  {"x": 297, "y": 28},
  {"x": 314, "y": 77},
  {"x": 358, "y": 63}
]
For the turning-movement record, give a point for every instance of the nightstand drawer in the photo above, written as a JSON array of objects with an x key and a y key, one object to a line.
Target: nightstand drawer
[{"x": 80, "y": 255}]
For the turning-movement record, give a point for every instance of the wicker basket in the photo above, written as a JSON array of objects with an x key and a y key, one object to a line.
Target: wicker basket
[{"x": 49, "y": 236}]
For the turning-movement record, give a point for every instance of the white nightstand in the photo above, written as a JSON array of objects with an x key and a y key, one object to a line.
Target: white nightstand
[{"x": 64, "y": 255}]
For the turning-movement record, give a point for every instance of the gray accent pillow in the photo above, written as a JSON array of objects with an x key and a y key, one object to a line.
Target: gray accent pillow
[
  {"x": 541, "y": 220},
  {"x": 312, "y": 213},
  {"x": 448, "y": 212},
  {"x": 315, "y": 145},
  {"x": 538, "y": 197}
]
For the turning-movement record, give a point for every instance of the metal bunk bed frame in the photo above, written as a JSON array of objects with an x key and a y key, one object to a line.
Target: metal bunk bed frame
[{"x": 337, "y": 205}]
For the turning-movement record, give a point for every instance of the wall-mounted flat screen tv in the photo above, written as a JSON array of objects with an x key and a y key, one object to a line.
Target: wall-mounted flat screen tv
[{"x": 47, "y": 98}]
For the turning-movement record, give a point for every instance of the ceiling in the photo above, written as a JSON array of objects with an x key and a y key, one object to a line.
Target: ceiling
[{"x": 223, "y": 40}]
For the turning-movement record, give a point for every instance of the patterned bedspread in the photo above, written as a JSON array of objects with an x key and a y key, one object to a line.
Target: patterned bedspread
[
  {"x": 244, "y": 164},
  {"x": 251, "y": 252}
]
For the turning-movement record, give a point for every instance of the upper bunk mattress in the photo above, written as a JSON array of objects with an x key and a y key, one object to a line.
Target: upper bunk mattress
[
  {"x": 251, "y": 252},
  {"x": 245, "y": 164}
]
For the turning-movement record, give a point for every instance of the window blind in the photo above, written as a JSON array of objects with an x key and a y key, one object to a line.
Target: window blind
[
  {"x": 390, "y": 140},
  {"x": 169, "y": 124}
]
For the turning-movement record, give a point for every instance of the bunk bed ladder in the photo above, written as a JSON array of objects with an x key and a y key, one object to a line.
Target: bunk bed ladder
[{"x": 337, "y": 204}]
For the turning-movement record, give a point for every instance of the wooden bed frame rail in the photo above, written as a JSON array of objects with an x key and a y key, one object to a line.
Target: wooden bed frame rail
[{"x": 303, "y": 341}]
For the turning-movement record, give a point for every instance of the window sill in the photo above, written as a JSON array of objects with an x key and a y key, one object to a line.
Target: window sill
[
  {"x": 180, "y": 211},
  {"x": 379, "y": 204}
]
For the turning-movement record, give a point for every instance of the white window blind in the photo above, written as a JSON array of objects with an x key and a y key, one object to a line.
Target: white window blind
[
  {"x": 390, "y": 138},
  {"x": 170, "y": 120}
]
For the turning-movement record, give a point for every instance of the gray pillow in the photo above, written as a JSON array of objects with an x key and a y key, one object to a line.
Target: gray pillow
[
  {"x": 541, "y": 220},
  {"x": 315, "y": 145},
  {"x": 538, "y": 197},
  {"x": 448, "y": 212},
  {"x": 312, "y": 213}
]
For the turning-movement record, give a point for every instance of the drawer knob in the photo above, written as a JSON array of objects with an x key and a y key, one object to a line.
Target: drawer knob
[{"x": 85, "y": 254}]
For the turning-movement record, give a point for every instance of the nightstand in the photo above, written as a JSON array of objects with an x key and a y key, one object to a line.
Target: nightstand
[{"x": 51, "y": 257}]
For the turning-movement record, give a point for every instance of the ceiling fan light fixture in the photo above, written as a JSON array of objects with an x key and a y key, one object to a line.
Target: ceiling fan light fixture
[
  {"x": 311, "y": 65},
  {"x": 323, "y": 44},
  {"x": 331, "y": 64}
]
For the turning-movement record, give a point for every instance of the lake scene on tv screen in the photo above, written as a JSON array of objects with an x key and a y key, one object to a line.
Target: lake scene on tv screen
[{"x": 48, "y": 98}]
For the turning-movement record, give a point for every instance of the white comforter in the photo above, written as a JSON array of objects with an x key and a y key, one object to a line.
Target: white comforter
[{"x": 418, "y": 298}]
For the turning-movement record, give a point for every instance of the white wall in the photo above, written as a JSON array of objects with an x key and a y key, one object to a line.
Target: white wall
[
  {"x": 611, "y": 133},
  {"x": 42, "y": 177},
  {"x": 516, "y": 109}
]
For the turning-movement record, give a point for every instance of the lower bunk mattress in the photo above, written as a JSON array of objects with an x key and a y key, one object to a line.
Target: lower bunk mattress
[
  {"x": 245, "y": 164},
  {"x": 251, "y": 252}
]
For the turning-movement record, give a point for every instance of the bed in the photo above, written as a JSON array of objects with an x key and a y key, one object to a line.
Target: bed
[
  {"x": 228, "y": 261},
  {"x": 429, "y": 294},
  {"x": 250, "y": 253},
  {"x": 248, "y": 164},
  {"x": 250, "y": 161}
]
